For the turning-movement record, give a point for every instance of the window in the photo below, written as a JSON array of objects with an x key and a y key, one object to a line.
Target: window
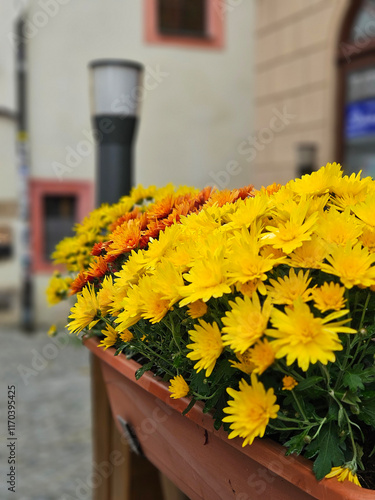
[
  {"x": 55, "y": 208},
  {"x": 60, "y": 214},
  {"x": 356, "y": 89},
  {"x": 182, "y": 17},
  {"x": 185, "y": 22}
]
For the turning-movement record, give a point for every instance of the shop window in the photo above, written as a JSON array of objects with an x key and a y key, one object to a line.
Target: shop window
[
  {"x": 186, "y": 22},
  {"x": 6, "y": 245},
  {"x": 55, "y": 208},
  {"x": 356, "y": 89}
]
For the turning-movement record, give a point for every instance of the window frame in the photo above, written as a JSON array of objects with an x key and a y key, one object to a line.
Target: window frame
[
  {"x": 214, "y": 38},
  {"x": 84, "y": 193}
]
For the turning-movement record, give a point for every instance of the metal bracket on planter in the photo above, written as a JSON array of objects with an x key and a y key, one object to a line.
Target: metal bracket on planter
[{"x": 130, "y": 436}]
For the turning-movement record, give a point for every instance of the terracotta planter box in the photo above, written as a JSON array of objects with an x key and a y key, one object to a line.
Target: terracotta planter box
[{"x": 201, "y": 461}]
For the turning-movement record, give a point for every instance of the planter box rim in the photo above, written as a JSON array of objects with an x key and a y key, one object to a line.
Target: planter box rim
[{"x": 295, "y": 469}]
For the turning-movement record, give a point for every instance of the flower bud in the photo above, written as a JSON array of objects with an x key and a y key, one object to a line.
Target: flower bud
[
  {"x": 354, "y": 409},
  {"x": 307, "y": 439}
]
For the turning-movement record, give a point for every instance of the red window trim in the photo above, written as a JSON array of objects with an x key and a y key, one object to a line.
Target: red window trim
[
  {"x": 84, "y": 192},
  {"x": 215, "y": 28}
]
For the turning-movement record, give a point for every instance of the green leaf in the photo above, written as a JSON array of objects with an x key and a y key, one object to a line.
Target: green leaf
[
  {"x": 296, "y": 443},
  {"x": 327, "y": 449},
  {"x": 357, "y": 377},
  {"x": 367, "y": 409},
  {"x": 306, "y": 384},
  {"x": 353, "y": 381},
  {"x": 143, "y": 369},
  {"x": 199, "y": 383},
  {"x": 189, "y": 406},
  {"x": 350, "y": 398}
]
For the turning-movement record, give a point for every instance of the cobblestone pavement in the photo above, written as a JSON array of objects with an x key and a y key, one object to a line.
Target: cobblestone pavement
[{"x": 53, "y": 426}]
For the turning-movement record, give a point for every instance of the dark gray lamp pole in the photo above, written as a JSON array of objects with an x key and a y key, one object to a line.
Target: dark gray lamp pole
[{"x": 115, "y": 91}]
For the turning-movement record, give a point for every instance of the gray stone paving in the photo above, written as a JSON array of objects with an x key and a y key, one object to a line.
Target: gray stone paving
[{"x": 53, "y": 427}]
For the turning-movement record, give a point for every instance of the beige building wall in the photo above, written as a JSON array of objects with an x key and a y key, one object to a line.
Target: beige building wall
[
  {"x": 296, "y": 44},
  {"x": 192, "y": 121}
]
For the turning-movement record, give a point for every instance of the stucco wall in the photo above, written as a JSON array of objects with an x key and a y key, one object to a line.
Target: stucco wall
[
  {"x": 295, "y": 71},
  {"x": 191, "y": 122}
]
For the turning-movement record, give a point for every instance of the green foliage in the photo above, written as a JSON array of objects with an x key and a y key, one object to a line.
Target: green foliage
[{"x": 327, "y": 448}]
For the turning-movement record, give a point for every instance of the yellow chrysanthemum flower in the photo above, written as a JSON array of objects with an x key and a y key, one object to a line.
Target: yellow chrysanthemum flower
[
  {"x": 207, "y": 279},
  {"x": 58, "y": 288},
  {"x": 310, "y": 255},
  {"x": 351, "y": 186},
  {"x": 139, "y": 193},
  {"x": 132, "y": 270},
  {"x": 318, "y": 182},
  {"x": 289, "y": 383},
  {"x": 132, "y": 305},
  {"x": 304, "y": 338},
  {"x": 245, "y": 262},
  {"x": 330, "y": 296},
  {"x": 262, "y": 355},
  {"x": 246, "y": 322},
  {"x": 344, "y": 473},
  {"x": 248, "y": 211},
  {"x": 286, "y": 290},
  {"x": 197, "y": 309},
  {"x": 290, "y": 234},
  {"x": 250, "y": 287},
  {"x": 52, "y": 331},
  {"x": 250, "y": 410},
  {"x": 353, "y": 265},
  {"x": 365, "y": 210},
  {"x": 339, "y": 227},
  {"x": 105, "y": 295},
  {"x": 206, "y": 347},
  {"x": 126, "y": 336},
  {"x": 244, "y": 362},
  {"x": 178, "y": 387},
  {"x": 367, "y": 238},
  {"x": 153, "y": 306},
  {"x": 167, "y": 280},
  {"x": 110, "y": 337},
  {"x": 167, "y": 240},
  {"x": 85, "y": 310}
]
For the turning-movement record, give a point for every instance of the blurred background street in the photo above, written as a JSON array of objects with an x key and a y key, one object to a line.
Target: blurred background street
[{"x": 53, "y": 426}]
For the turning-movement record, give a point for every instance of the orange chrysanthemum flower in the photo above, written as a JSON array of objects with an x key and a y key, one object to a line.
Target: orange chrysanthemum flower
[
  {"x": 125, "y": 238},
  {"x": 80, "y": 281},
  {"x": 98, "y": 268},
  {"x": 99, "y": 248},
  {"x": 162, "y": 208},
  {"x": 203, "y": 196},
  {"x": 246, "y": 192},
  {"x": 134, "y": 214}
]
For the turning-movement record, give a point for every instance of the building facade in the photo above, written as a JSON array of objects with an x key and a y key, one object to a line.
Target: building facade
[
  {"x": 313, "y": 63},
  {"x": 197, "y": 104}
]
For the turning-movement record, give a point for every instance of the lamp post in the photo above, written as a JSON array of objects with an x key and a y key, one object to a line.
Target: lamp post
[{"x": 115, "y": 93}]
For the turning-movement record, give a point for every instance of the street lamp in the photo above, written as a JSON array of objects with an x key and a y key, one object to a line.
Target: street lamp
[{"x": 115, "y": 93}]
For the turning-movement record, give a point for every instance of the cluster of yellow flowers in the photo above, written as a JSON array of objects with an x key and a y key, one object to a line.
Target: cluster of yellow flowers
[{"x": 263, "y": 276}]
